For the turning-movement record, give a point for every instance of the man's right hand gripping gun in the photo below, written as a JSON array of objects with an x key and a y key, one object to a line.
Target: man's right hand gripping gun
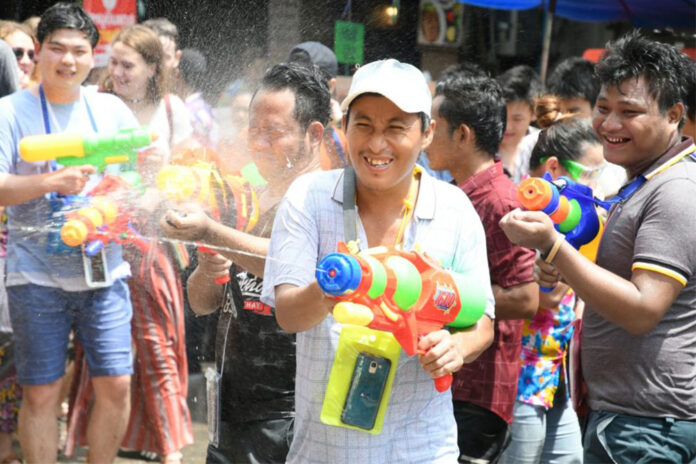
[
  {"x": 97, "y": 150},
  {"x": 402, "y": 292}
]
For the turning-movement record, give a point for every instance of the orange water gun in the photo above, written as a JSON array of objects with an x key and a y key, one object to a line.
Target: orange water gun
[
  {"x": 571, "y": 207},
  {"x": 402, "y": 292},
  {"x": 101, "y": 221},
  {"x": 201, "y": 182}
]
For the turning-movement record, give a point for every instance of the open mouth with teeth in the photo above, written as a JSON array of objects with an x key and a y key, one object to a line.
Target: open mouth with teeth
[
  {"x": 378, "y": 163},
  {"x": 616, "y": 140}
]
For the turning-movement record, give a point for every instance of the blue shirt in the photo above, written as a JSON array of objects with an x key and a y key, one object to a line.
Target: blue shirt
[{"x": 30, "y": 223}]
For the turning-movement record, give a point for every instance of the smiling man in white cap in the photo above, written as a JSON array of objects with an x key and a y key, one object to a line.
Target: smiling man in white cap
[{"x": 387, "y": 124}]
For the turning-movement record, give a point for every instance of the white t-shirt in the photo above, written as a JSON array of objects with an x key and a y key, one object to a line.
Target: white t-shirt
[{"x": 181, "y": 121}]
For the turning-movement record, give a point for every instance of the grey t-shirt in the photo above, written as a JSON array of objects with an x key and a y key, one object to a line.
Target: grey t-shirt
[{"x": 653, "y": 375}]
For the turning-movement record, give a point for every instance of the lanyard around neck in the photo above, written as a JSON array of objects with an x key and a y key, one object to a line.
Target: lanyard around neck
[
  {"x": 350, "y": 224},
  {"x": 628, "y": 190},
  {"x": 46, "y": 113}
]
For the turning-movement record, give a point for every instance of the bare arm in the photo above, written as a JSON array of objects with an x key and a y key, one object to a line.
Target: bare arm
[
  {"x": 516, "y": 302},
  {"x": 301, "y": 308},
  {"x": 204, "y": 295},
  {"x": 473, "y": 341},
  {"x": 636, "y": 305},
  {"x": 15, "y": 190},
  {"x": 249, "y": 251}
]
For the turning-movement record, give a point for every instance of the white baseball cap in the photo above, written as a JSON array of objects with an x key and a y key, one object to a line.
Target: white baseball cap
[{"x": 402, "y": 83}]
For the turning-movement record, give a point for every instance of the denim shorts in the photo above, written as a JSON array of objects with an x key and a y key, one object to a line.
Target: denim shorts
[
  {"x": 618, "y": 438},
  {"x": 42, "y": 318}
]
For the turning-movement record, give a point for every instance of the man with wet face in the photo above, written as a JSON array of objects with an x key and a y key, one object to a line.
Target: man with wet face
[
  {"x": 47, "y": 289},
  {"x": 387, "y": 125},
  {"x": 287, "y": 116},
  {"x": 638, "y": 348}
]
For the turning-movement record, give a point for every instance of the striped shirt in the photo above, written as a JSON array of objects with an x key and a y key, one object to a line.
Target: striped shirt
[{"x": 419, "y": 425}]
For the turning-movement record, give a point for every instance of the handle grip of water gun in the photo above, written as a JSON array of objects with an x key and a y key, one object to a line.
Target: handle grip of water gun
[
  {"x": 346, "y": 312},
  {"x": 443, "y": 383},
  {"x": 222, "y": 280}
]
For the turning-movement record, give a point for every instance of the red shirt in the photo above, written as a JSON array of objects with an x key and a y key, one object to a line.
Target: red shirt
[{"x": 491, "y": 381}]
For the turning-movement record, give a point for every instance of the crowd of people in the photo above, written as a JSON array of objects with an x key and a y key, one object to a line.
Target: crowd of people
[{"x": 573, "y": 360}]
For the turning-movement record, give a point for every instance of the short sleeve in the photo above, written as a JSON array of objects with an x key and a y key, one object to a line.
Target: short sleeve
[
  {"x": 666, "y": 237},
  {"x": 293, "y": 250}
]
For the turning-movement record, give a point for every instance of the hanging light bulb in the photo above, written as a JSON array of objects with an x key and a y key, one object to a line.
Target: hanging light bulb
[{"x": 392, "y": 12}]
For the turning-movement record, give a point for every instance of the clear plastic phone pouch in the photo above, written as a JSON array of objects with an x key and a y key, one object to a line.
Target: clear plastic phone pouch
[
  {"x": 361, "y": 379},
  {"x": 212, "y": 392}
]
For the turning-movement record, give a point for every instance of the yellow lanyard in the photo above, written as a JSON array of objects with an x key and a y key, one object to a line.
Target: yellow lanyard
[{"x": 409, "y": 205}]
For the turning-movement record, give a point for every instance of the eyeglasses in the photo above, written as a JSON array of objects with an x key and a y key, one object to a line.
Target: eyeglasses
[
  {"x": 578, "y": 171},
  {"x": 20, "y": 52}
]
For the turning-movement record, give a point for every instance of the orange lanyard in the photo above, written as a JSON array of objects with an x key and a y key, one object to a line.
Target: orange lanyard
[{"x": 409, "y": 205}]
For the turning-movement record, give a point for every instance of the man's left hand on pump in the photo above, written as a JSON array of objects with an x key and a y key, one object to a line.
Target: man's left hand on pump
[
  {"x": 530, "y": 229},
  {"x": 441, "y": 354}
]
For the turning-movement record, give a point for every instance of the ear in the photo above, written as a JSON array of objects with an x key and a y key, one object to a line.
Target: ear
[
  {"x": 315, "y": 132},
  {"x": 676, "y": 113},
  {"x": 332, "y": 85},
  {"x": 177, "y": 58},
  {"x": 428, "y": 135},
  {"x": 151, "y": 70},
  {"x": 463, "y": 135},
  {"x": 553, "y": 166}
]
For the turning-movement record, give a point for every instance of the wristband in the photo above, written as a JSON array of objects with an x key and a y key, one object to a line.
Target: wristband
[{"x": 549, "y": 257}]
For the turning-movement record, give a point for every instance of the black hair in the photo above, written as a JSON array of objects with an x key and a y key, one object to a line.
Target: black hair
[
  {"x": 690, "y": 99},
  {"x": 574, "y": 78},
  {"x": 302, "y": 57},
  {"x": 65, "y": 15},
  {"x": 465, "y": 68},
  {"x": 192, "y": 68},
  {"x": 664, "y": 68},
  {"x": 424, "y": 118},
  {"x": 565, "y": 139},
  {"x": 164, "y": 28},
  {"x": 312, "y": 98},
  {"x": 476, "y": 101},
  {"x": 520, "y": 83}
]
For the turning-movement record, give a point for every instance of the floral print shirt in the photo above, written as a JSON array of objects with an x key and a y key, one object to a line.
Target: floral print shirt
[{"x": 545, "y": 341}]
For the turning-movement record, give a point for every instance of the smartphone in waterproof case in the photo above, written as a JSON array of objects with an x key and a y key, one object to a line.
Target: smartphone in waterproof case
[{"x": 365, "y": 392}]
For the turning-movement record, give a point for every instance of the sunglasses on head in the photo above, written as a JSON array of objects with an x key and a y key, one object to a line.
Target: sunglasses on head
[{"x": 20, "y": 52}]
